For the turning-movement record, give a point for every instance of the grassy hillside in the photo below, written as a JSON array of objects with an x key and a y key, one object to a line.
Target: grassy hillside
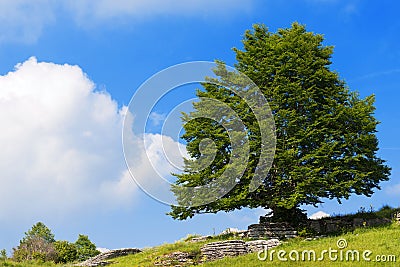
[
  {"x": 27, "y": 264},
  {"x": 383, "y": 242}
]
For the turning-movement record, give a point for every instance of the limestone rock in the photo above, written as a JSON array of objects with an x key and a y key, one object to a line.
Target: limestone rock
[
  {"x": 260, "y": 245},
  {"x": 102, "y": 258},
  {"x": 219, "y": 250},
  {"x": 176, "y": 259}
]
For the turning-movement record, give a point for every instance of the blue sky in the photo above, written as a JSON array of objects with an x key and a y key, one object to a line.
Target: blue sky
[{"x": 68, "y": 69}]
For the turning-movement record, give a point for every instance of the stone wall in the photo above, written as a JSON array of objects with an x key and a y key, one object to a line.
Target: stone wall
[
  {"x": 270, "y": 230},
  {"x": 334, "y": 225}
]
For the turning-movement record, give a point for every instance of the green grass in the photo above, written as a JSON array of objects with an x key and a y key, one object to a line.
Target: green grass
[
  {"x": 27, "y": 264},
  {"x": 381, "y": 241},
  {"x": 384, "y": 240},
  {"x": 150, "y": 255}
]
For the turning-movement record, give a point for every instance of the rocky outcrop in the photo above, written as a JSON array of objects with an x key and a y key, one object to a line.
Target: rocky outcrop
[
  {"x": 219, "y": 250},
  {"x": 260, "y": 245},
  {"x": 176, "y": 259},
  {"x": 232, "y": 248},
  {"x": 102, "y": 258}
]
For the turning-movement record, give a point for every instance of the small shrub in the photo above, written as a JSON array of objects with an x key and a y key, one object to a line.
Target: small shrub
[
  {"x": 387, "y": 212},
  {"x": 66, "y": 251}
]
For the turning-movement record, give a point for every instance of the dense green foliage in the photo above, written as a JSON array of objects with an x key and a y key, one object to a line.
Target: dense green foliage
[
  {"x": 39, "y": 230},
  {"x": 37, "y": 244},
  {"x": 40, "y": 245},
  {"x": 325, "y": 134},
  {"x": 85, "y": 248},
  {"x": 66, "y": 251}
]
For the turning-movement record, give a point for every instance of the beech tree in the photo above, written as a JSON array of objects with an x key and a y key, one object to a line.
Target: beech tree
[{"x": 326, "y": 145}]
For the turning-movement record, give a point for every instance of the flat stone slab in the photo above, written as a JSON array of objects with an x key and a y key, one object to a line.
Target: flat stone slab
[
  {"x": 261, "y": 245},
  {"x": 102, "y": 258},
  {"x": 230, "y": 248}
]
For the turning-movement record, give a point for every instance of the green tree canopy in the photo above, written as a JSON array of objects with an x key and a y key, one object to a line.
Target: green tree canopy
[
  {"x": 66, "y": 251},
  {"x": 37, "y": 244},
  {"x": 85, "y": 248},
  {"x": 325, "y": 134},
  {"x": 39, "y": 230}
]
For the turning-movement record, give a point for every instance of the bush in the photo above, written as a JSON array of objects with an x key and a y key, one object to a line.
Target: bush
[
  {"x": 387, "y": 212},
  {"x": 66, "y": 251}
]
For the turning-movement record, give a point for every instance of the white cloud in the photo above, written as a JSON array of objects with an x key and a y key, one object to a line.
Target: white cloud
[
  {"x": 61, "y": 149},
  {"x": 319, "y": 215},
  {"x": 151, "y": 159},
  {"x": 24, "y": 20},
  {"x": 60, "y": 143}
]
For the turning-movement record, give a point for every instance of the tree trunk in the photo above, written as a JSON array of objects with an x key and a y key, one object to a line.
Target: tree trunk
[{"x": 293, "y": 216}]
